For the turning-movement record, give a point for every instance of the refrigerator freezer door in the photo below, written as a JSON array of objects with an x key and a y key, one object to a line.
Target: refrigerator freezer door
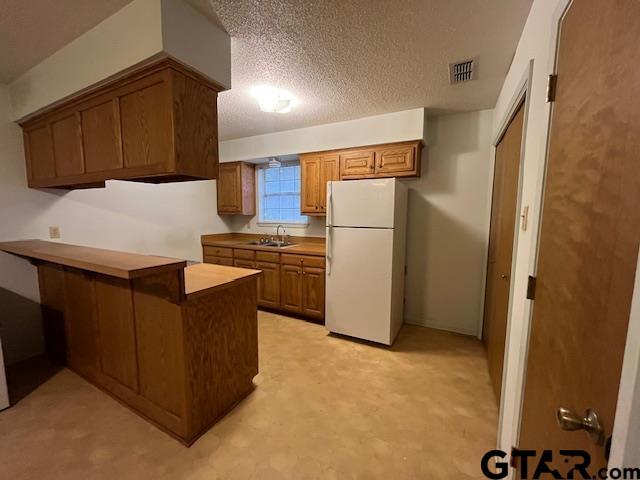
[
  {"x": 361, "y": 203},
  {"x": 358, "y": 288}
]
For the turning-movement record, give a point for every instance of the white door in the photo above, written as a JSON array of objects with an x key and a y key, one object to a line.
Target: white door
[
  {"x": 361, "y": 203},
  {"x": 358, "y": 288}
]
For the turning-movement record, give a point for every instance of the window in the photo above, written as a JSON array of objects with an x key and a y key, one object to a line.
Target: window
[{"x": 279, "y": 194}]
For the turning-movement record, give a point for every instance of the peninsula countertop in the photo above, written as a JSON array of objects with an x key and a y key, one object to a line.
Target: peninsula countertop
[{"x": 302, "y": 245}]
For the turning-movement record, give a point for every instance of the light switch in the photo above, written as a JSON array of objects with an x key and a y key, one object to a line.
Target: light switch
[{"x": 54, "y": 232}]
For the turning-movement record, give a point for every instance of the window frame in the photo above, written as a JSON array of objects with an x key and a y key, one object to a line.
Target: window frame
[{"x": 260, "y": 181}]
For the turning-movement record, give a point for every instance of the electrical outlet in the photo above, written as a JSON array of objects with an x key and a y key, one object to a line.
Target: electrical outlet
[{"x": 54, "y": 232}]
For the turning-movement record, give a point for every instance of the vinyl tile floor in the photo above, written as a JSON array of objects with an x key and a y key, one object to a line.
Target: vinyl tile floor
[{"x": 325, "y": 407}]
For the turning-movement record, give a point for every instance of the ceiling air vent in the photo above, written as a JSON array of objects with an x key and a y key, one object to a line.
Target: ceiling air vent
[{"x": 462, "y": 71}]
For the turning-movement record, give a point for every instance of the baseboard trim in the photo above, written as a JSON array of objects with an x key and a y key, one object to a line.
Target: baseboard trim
[{"x": 439, "y": 326}]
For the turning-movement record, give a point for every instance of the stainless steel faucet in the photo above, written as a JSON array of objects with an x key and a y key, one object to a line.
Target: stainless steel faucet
[{"x": 284, "y": 234}]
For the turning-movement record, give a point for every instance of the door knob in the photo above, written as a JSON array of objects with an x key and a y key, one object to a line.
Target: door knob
[
  {"x": 503, "y": 276},
  {"x": 590, "y": 423}
]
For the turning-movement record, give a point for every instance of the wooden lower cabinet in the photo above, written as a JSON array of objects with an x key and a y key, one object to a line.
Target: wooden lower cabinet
[
  {"x": 313, "y": 284},
  {"x": 291, "y": 288},
  {"x": 268, "y": 284},
  {"x": 290, "y": 283},
  {"x": 181, "y": 363}
]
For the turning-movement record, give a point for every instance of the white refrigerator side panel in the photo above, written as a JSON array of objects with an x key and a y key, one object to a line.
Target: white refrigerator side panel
[
  {"x": 361, "y": 203},
  {"x": 359, "y": 282},
  {"x": 399, "y": 260}
]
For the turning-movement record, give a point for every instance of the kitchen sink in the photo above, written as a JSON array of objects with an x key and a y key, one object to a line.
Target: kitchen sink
[{"x": 271, "y": 243}]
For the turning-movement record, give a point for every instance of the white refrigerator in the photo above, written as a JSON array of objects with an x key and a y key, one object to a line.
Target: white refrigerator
[{"x": 365, "y": 264}]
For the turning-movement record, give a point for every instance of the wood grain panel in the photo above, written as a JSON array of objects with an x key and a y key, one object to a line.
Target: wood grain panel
[
  {"x": 218, "y": 260},
  {"x": 67, "y": 145},
  {"x": 116, "y": 323},
  {"x": 145, "y": 117},
  {"x": 590, "y": 230},
  {"x": 52, "y": 301},
  {"x": 195, "y": 126},
  {"x": 269, "y": 284},
  {"x": 501, "y": 238},
  {"x": 313, "y": 291},
  {"x": 218, "y": 251},
  {"x": 245, "y": 254},
  {"x": 272, "y": 257},
  {"x": 329, "y": 172},
  {"x": 396, "y": 160},
  {"x": 310, "y": 184},
  {"x": 82, "y": 326},
  {"x": 291, "y": 288},
  {"x": 220, "y": 374},
  {"x": 160, "y": 343},
  {"x": 101, "y": 137},
  {"x": 39, "y": 151},
  {"x": 357, "y": 163}
]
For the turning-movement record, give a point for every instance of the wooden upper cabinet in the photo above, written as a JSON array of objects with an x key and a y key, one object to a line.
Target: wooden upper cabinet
[
  {"x": 398, "y": 160},
  {"x": 357, "y": 163},
  {"x": 156, "y": 124},
  {"x": 379, "y": 161},
  {"x": 101, "y": 137},
  {"x": 236, "y": 187},
  {"x": 316, "y": 171},
  {"x": 38, "y": 145},
  {"x": 67, "y": 145}
]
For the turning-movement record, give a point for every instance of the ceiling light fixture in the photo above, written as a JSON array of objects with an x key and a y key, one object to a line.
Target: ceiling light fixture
[{"x": 273, "y": 100}]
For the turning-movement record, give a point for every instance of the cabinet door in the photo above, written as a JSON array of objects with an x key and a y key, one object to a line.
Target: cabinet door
[
  {"x": 356, "y": 164},
  {"x": 269, "y": 284},
  {"x": 313, "y": 281},
  {"x": 229, "y": 188},
  {"x": 116, "y": 324},
  {"x": 291, "y": 288},
  {"x": 39, "y": 150},
  {"x": 396, "y": 160},
  {"x": 329, "y": 172},
  {"x": 101, "y": 136},
  {"x": 82, "y": 327},
  {"x": 145, "y": 116},
  {"x": 67, "y": 145},
  {"x": 310, "y": 173}
]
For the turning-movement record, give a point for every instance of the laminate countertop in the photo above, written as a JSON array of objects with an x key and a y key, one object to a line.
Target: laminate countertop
[
  {"x": 302, "y": 245},
  {"x": 108, "y": 262},
  {"x": 204, "y": 278}
]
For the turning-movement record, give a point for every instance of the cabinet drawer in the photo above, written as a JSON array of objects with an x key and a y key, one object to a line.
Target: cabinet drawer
[
  {"x": 218, "y": 251},
  {"x": 268, "y": 257},
  {"x": 246, "y": 254},
  {"x": 306, "y": 260},
  {"x": 218, "y": 260}
]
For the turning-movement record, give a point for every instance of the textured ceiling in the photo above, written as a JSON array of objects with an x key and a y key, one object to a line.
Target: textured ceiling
[{"x": 343, "y": 59}]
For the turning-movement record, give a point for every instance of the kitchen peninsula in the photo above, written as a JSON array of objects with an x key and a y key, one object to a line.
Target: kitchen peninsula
[{"x": 177, "y": 344}]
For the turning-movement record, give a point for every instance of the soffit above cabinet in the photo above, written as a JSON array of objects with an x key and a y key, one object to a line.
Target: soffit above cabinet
[{"x": 141, "y": 32}]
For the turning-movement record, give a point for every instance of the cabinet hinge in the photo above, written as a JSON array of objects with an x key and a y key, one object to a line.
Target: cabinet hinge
[
  {"x": 551, "y": 88},
  {"x": 531, "y": 288}
]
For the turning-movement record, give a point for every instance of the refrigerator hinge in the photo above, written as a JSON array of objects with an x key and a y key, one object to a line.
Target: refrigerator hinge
[{"x": 531, "y": 288}]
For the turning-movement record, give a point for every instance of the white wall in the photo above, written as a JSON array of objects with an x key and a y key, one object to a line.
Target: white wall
[
  {"x": 139, "y": 31},
  {"x": 447, "y": 225},
  {"x": 385, "y": 128}
]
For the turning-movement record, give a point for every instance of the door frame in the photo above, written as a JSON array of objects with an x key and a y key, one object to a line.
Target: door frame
[
  {"x": 521, "y": 95},
  {"x": 626, "y": 441}
]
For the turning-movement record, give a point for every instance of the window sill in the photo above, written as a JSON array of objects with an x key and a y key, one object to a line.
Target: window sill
[{"x": 286, "y": 225}]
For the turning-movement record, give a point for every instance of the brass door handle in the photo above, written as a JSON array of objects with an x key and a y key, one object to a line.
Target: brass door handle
[
  {"x": 504, "y": 277},
  {"x": 568, "y": 420}
]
